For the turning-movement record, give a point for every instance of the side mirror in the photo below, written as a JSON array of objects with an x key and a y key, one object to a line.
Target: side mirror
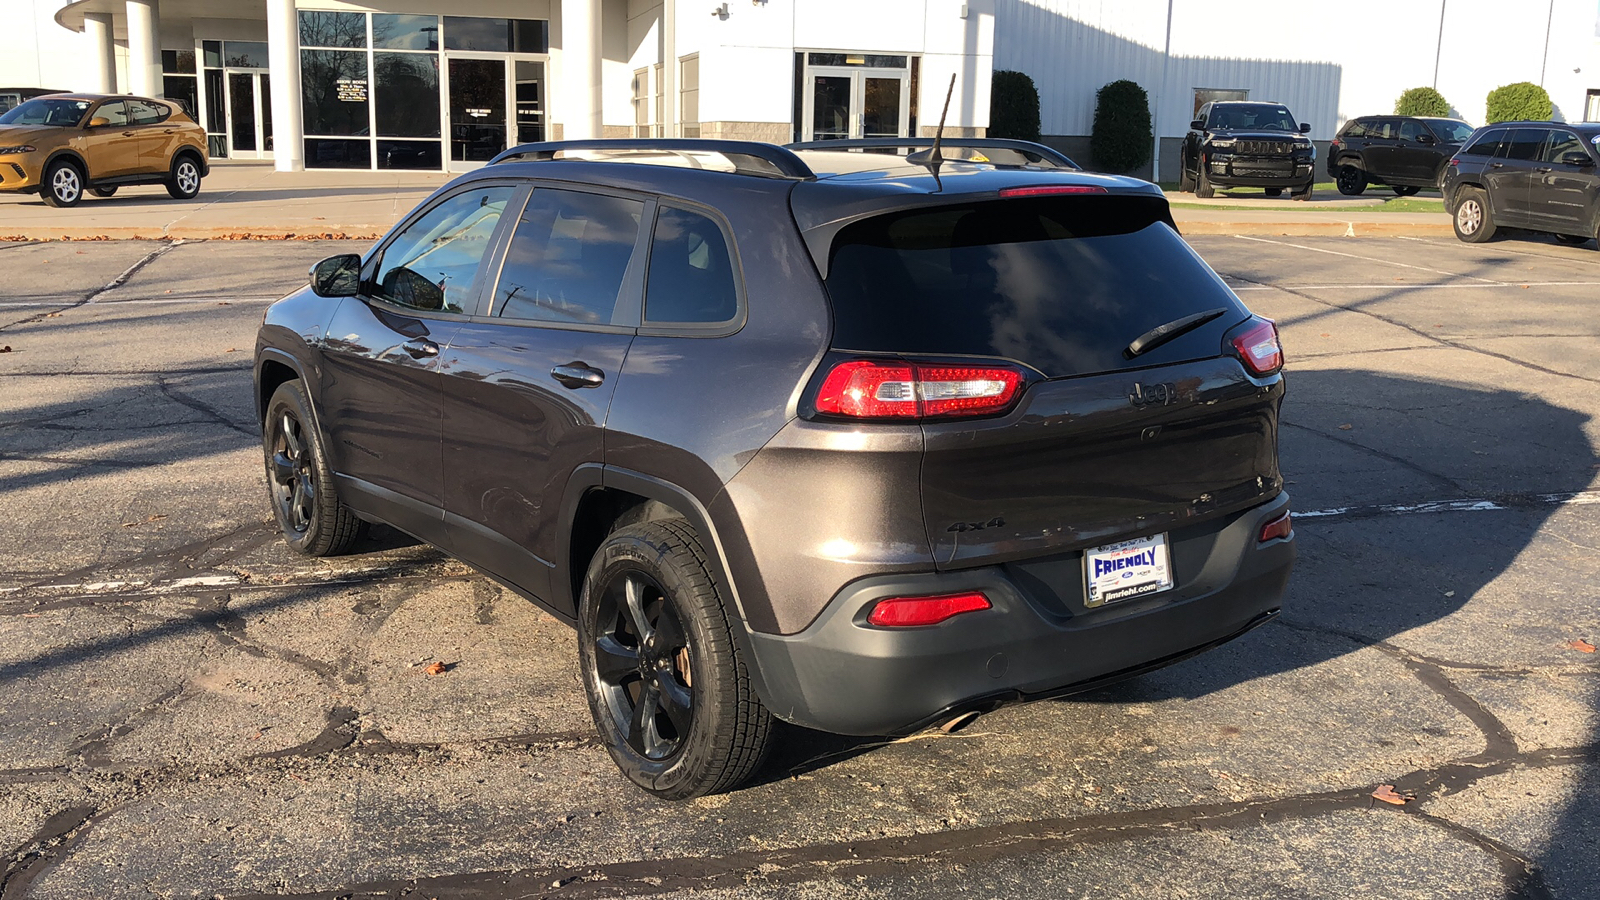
[
  {"x": 1576, "y": 159},
  {"x": 1305, "y": 127},
  {"x": 1198, "y": 124},
  {"x": 337, "y": 276},
  {"x": 99, "y": 122},
  {"x": 1427, "y": 139},
  {"x": 411, "y": 289}
]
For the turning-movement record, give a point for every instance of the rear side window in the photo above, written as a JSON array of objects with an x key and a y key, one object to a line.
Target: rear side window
[
  {"x": 1382, "y": 129},
  {"x": 568, "y": 258},
  {"x": 1487, "y": 143},
  {"x": 1061, "y": 284},
  {"x": 143, "y": 113},
  {"x": 1525, "y": 144},
  {"x": 691, "y": 272}
]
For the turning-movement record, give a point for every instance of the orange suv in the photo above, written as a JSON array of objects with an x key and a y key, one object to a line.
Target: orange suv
[{"x": 63, "y": 144}]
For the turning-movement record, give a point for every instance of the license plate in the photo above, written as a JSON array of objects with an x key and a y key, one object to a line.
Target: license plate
[{"x": 1125, "y": 570}]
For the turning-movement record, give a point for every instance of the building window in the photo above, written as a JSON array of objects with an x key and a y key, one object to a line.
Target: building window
[
  {"x": 180, "y": 82},
  {"x": 216, "y": 101},
  {"x": 334, "y": 92},
  {"x": 1202, "y": 96},
  {"x": 395, "y": 32},
  {"x": 689, "y": 95},
  {"x": 1591, "y": 107},
  {"x": 496, "y": 35},
  {"x": 642, "y": 106},
  {"x": 339, "y": 30}
]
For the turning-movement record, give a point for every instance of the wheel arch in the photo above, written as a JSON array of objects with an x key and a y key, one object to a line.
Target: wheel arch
[
  {"x": 194, "y": 153},
  {"x": 70, "y": 155}
]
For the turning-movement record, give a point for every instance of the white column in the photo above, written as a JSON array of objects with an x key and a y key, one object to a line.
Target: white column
[
  {"x": 283, "y": 61},
  {"x": 669, "y": 67},
  {"x": 97, "y": 26},
  {"x": 580, "y": 68},
  {"x": 144, "y": 48}
]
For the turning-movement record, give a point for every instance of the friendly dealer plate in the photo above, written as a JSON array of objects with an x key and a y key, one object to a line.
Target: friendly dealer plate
[{"x": 1125, "y": 570}]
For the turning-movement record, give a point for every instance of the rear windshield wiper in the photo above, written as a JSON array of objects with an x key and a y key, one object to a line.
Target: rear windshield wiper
[{"x": 1160, "y": 334}]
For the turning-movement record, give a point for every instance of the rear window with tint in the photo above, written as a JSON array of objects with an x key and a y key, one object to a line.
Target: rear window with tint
[{"x": 1061, "y": 284}]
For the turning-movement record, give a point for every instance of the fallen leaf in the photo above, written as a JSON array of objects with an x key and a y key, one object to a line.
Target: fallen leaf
[
  {"x": 231, "y": 350},
  {"x": 5, "y": 349},
  {"x": 30, "y": 615},
  {"x": 52, "y": 315},
  {"x": 155, "y": 518},
  {"x": 129, "y": 524},
  {"x": 1580, "y": 645},
  {"x": 1449, "y": 593},
  {"x": 1346, "y": 427},
  {"x": 437, "y": 668},
  {"x": 1387, "y": 794}
]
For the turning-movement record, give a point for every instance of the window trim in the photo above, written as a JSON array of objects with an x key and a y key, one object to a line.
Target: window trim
[
  {"x": 475, "y": 301},
  {"x": 626, "y": 316},
  {"x": 696, "y": 329}
]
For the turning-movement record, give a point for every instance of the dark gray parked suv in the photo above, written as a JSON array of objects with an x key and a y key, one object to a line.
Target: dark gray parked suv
[
  {"x": 858, "y": 441},
  {"x": 1538, "y": 176},
  {"x": 1407, "y": 153}
]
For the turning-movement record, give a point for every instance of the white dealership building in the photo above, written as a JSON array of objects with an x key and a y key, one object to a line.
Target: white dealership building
[{"x": 423, "y": 84}]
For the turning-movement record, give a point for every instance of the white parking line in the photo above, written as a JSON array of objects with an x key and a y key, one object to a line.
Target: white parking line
[
  {"x": 29, "y": 304},
  {"x": 1574, "y": 498},
  {"x": 1401, "y": 286},
  {"x": 1387, "y": 262}
]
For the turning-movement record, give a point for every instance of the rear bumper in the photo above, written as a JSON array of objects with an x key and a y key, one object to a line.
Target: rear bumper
[{"x": 845, "y": 676}]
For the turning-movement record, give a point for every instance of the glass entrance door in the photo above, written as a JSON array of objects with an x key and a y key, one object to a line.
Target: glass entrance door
[
  {"x": 477, "y": 113},
  {"x": 249, "y": 121},
  {"x": 847, "y": 102}
]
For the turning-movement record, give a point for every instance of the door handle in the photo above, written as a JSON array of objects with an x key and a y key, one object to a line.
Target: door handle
[
  {"x": 1495, "y": 165},
  {"x": 578, "y": 375},
  {"x": 1542, "y": 170},
  {"x": 421, "y": 348},
  {"x": 127, "y": 134}
]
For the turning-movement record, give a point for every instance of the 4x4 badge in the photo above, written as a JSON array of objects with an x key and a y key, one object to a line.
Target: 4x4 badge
[
  {"x": 995, "y": 522},
  {"x": 1153, "y": 394}
]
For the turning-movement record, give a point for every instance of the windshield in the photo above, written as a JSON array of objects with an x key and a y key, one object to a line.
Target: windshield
[
  {"x": 1059, "y": 284},
  {"x": 47, "y": 111},
  {"x": 1450, "y": 131},
  {"x": 1252, "y": 117}
]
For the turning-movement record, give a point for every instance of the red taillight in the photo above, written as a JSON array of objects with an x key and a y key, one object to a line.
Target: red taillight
[
  {"x": 909, "y": 612},
  {"x": 1046, "y": 189},
  {"x": 867, "y": 389},
  {"x": 1333, "y": 144},
  {"x": 1281, "y": 527},
  {"x": 1257, "y": 344}
]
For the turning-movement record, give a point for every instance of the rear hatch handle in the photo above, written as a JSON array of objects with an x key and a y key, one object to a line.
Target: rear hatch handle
[{"x": 1160, "y": 334}]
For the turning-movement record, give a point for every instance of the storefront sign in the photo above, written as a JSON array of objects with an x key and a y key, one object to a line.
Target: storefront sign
[{"x": 352, "y": 90}]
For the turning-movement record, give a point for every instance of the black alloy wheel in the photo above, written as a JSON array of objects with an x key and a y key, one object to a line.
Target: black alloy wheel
[
  {"x": 668, "y": 688},
  {"x": 1351, "y": 181},
  {"x": 107, "y": 191},
  {"x": 1404, "y": 190},
  {"x": 312, "y": 518}
]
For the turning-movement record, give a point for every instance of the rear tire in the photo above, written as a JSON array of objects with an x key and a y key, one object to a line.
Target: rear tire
[
  {"x": 1351, "y": 181},
  {"x": 1473, "y": 221},
  {"x": 62, "y": 186},
  {"x": 1572, "y": 239},
  {"x": 666, "y": 683},
  {"x": 1403, "y": 190},
  {"x": 313, "y": 520},
  {"x": 183, "y": 182},
  {"x": 107, "y": 191}
]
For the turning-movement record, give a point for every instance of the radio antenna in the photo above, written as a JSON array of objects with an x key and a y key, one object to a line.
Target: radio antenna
[{"x": 931, "y": 157}]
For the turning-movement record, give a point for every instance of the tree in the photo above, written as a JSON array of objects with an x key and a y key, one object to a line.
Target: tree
[
  {"x": 1013, "y": 106},
  {"x": 1518, "y": 102},
  {"x": 1421, "y": 101},
  {"x": 1121, "y": 138}
]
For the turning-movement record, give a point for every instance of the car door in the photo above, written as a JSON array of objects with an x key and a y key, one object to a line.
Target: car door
[
  {"x": 379, "y": 382},
  {"x": 156, "y": 137},
  {"x": 1561, "y": 193},
  {"x": 1382, "y": 141},
  {"x": 111, "y": 146},
  {"x": 1510, "y": 175},
  {"x": 1413, "y": 153},
  {"x": 528, "y": 385}
]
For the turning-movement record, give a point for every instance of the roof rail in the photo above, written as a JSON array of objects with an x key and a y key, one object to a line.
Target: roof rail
[
  {"x": 1034, "y": 153},
  {"x": 747, "y": 157}
]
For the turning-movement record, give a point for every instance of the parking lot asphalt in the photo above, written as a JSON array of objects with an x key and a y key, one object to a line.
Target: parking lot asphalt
[{"x": 188, "y": 709}]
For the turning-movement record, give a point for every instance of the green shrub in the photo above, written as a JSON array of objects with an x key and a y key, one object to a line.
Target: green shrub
[
  {"x": 1013, "y": 106},
  {"x": 1121, "y": 138},
  {"x": 1516, "y": 102},
  {"x": 1421, "y": 101}
]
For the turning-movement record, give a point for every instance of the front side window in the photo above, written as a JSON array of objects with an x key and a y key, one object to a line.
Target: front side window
[
  {"x": 1410, "y": 130},
  {"x": 1560, "y": 144},
  {"x": 115, "y": 112},
  {"x": 568, "y": 258},
  {"x": 691, "y": 272},
  {"x": 432, "y": 263}
]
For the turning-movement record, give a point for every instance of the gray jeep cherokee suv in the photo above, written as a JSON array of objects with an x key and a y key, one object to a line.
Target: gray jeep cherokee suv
[{"x": 854, "y": 440}]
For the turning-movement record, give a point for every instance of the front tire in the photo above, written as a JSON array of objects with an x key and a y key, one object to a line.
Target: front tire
[
  {"x": 1403, "y": 190},
  {"x": 1274, "y": 192},
  {"x": 1351, "y": 181},
  {"x": 108, "y": 191},
  {"x": 1185, "y": 180},
  {"x": 1305, "y": 192},
  {"x": 1473, "y": 222},
  {"x": 666, "y": 683},
  {"x": 183, "y": 182},
  {"x": 1203, "y": 188},
  {"x": 63, "y": 184},
  {"x": 313, "y": 520}
]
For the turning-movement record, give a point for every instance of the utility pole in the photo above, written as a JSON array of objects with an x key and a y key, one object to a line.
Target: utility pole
[
  {"x": 1161, "y": 94},
  {"x": 1544, "y": 61},
  {"x": 1439, "y": 47}
]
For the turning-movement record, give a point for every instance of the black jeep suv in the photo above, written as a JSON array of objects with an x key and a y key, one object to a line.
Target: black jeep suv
[
  {"x": 854, "y": 440},
  {"x": 1407, "y": 153},
  {"x": 1539, "y": 176},
  {"x": 1235, "y": 143}
]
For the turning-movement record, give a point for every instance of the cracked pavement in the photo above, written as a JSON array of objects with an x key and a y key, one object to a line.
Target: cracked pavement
[{"x": 187, "y": 709}]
